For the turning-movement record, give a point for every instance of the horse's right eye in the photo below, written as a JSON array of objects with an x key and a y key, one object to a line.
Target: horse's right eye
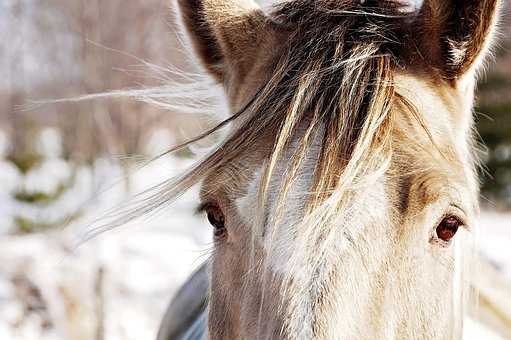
[
  {"x": 217, "y": 220},
  {"x": 448, "y": 228}
]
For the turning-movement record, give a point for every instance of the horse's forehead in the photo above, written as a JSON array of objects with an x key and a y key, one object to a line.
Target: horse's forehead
[
  {"x": 443, "y": 109},
  {"x": 296, "y": 195},
  {"x": 278, "y": 240}
]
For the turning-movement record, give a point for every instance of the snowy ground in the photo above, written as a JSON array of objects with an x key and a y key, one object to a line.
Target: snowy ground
[
  {"x": 115, "y": 286},
  {"x": 495, "y": 240}
]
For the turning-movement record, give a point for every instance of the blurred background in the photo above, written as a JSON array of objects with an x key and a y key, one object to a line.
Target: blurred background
[{"x": 62, "y": 165}]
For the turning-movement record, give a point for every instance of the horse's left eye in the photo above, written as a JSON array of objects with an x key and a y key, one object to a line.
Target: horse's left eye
[
  {"x": 217, "y": 220},
  {"x": 448, "y": 228}
]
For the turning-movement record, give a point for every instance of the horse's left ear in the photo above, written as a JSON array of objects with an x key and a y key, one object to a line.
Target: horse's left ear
[{"x": 455, "y": 34}]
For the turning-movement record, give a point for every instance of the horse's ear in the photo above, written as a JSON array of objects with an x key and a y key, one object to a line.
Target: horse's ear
[
  {"x": 455, "y": 34},
  {"x": 222, "y": 32}
]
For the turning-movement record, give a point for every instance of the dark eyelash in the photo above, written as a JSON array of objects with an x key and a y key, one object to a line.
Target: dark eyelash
[{"x": 201, "y": 208}]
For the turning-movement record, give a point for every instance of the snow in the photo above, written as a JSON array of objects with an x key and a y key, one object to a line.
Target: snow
[
  {"x": 159, "y": 141},
  {"x": 5, "y": 144},
  {"x": 47, "y": 177},
  {"x": 122, "y": 280},
  {"x": 142, "y": 267},
  {"x": 495, "y": 240},
  {"x": 49, "y": 143}
]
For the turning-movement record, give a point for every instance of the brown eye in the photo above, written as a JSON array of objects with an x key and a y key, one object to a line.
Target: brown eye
[
  {"x": 448, "y": 228},
  {"x": 217, "y": 220}
]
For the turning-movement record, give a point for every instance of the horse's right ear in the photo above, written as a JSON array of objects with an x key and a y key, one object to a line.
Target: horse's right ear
[
  {"x": 223, "y": 32},
  {"x": 455, "y": 34}
]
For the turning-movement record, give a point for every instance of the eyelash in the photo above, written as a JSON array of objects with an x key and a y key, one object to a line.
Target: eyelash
[
  {"x": 215, "y": 217},
  {"x": 202, "y": 207}
]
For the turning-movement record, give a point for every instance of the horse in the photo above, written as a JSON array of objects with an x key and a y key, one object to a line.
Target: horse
[{"x": 344, "y": 196}]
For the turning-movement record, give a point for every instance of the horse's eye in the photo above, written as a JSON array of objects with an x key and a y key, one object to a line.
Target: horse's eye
[
  {"x": 448, "y": 228},
  {"x": 217, "y": 220}
]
